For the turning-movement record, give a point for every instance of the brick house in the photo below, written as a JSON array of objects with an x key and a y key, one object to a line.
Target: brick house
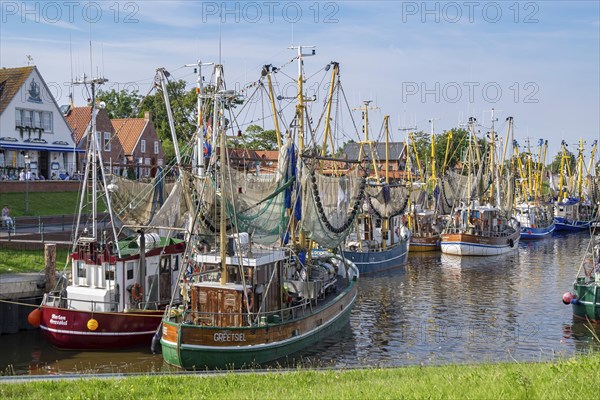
[
  {"x": 142, "y": 149},
  {"x": 80, "y": 121}
]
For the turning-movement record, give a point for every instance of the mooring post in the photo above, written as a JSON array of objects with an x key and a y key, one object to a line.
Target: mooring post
[{"x": 50, "y": 263}]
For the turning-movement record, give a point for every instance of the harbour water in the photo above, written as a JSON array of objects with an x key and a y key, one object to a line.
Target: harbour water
[{"x": 436, "y": 309}]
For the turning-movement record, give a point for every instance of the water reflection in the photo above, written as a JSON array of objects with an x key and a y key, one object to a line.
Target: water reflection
[{"x": 436, "y": 309}]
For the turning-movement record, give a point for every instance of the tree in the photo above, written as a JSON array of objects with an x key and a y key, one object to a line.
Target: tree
[
  {"x": 121, "y": 104},
  {"x": 257, "y": 138}
]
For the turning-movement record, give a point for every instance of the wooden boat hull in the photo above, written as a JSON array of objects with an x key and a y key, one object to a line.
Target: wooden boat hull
[
  {"x": 198, "y": 347},
  {"x": 465, "y": 244},
  {"x": 424, "y": 243},
  {"x": 587, "y": 304},
  {"x": 68, "y": 329},
  {"x": 528, "y": 233},
  {"x": 374, "y": 261}
]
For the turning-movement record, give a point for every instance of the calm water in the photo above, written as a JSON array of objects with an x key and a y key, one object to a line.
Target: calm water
[{"x": 436, "y": 309}]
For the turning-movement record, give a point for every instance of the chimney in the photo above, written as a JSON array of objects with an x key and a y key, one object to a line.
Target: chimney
[{"x": 147, "y": 116}]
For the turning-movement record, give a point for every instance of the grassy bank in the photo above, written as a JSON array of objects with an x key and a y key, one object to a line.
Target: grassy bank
[
  {"x": 51, "y": 203},
  {"x": 13, "y": 261},
  {"x": 564, "y": 379}
]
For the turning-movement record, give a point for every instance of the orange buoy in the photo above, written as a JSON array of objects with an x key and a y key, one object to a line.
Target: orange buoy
[
  {"x": 35, "y": 317},
  {"x": 92, "y": 324}
]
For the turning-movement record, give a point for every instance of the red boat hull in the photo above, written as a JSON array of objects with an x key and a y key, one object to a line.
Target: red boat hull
[{"x": 68, "y": 329}]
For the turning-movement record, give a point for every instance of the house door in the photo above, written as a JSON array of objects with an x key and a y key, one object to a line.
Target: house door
[{"x": 43, "y": 167}]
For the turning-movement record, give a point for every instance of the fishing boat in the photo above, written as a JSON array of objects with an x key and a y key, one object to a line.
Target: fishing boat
[
  {"x": 254, "y": 288},
  {"x": 585, "y": 296},
  {"x": 380, "y": 240},
  {"x": 426, "y": 229},
  {"x": 423, "y": 218},
  {"x": 480, "y": 230},
  {"x": 536, "y": 222},
  {"x": 117, "y": 285},
  {"x": 574, "y": 212},
  {"x": 535, "y": 215}
]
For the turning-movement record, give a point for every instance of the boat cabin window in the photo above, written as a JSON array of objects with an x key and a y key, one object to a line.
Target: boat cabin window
[
  {"x": 109, "y": 272},
  {"x": 129, "y": 270},
  {"x": 81, "y": 270},
  {"x": 165, "y": 264}
]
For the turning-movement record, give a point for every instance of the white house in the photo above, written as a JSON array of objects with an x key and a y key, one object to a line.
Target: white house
[{"x": 33, "y": 129}]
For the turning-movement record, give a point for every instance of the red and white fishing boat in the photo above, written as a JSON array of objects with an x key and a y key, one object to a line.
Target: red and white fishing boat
[{"x": 115, "y": 290}]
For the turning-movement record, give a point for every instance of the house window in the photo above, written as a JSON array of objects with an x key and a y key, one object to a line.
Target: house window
[
  {"x": 106, "y": 141},
  {"x": 27, "y": 118},
  {"x": 18, "y": 117},
  {"x": 147, "y": 168},
  {"x": 159, "y": 162},
  {"x": 47, "y": 121},
  {"x": 37, "y": 119},
  {"x": 155, "y": 147},
  {"x": 143, "y": 146}
]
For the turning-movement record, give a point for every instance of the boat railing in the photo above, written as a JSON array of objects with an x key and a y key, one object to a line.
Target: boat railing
[
  {"x": 216, "y": 319},
  {"x": 477, "y": 232},
  {"x": 57, "y": 300}
]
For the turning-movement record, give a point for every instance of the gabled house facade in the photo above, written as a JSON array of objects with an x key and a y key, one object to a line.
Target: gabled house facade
[
  {"x": 33, "y": 130},
  {"x": 142, "y": 149},
  {"x": 396, "y": 156},
  {"x": 80, "y": 121}
]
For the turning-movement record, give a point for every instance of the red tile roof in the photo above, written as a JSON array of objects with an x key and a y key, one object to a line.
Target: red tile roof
[
  {"x": 128, "y": 131},
  {"x": 79, "y": 119},
  {"x": 11, "y": 80}
]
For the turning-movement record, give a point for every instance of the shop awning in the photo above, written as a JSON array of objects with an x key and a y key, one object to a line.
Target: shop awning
[{"x": 22, "y": 146}]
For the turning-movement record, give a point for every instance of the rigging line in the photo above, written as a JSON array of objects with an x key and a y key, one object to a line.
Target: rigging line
[{"x": 350, "y": 113}]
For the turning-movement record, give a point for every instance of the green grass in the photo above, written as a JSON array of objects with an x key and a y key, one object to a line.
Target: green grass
[
  {"x": 14, "y": 261},
  {"x": 51, "y": 203},
  {"x": 575, "y": 378}
]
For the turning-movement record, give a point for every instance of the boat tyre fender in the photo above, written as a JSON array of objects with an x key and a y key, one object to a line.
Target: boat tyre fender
[
  {"x": 249, "y": 299},
  {"x": 511, "y": 243},
  {"x": 137, "y": 292}
]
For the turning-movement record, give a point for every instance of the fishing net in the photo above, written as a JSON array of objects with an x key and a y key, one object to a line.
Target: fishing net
[{"x": 330, "y": 205}]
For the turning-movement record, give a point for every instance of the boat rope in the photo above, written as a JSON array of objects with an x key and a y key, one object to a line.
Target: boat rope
[{"x": 103, "y": 313}]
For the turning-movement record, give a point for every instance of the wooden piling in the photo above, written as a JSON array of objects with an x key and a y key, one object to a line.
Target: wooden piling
[{"x": 50, "y": 262}]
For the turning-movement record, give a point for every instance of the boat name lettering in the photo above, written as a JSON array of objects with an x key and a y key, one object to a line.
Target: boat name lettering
[
  {"x": 229, "y": 337},
  {"x": 58, "y": 319}
]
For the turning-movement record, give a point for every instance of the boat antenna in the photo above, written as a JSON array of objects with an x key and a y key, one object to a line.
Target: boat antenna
[{"x": 220, "y": 23}]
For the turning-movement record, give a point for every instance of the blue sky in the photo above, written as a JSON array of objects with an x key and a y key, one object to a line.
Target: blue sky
[{"x": 538, "y": 62}]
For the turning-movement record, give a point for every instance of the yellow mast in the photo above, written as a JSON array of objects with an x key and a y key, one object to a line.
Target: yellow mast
[
  {"x": 580, "y": 170},
  {"x": 433, "y": 176},
  {"x": 590, "y": 168},
  {"x": 563, "y": 164},
  {"x": 543, "y": 162},
  {"x": 412, "y": 139},
  {"x": 385, "y": 221},
  {"x": 268, "y": 70},
  {"x": 449, "y": 139},
  {"x": 327, "y": 135}
]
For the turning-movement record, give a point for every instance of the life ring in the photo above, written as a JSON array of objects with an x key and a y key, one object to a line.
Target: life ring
[
  {"x": 511, "y": 243},
  {"x": 249, "y": 300},
  {"x": 137, "y": 293}
]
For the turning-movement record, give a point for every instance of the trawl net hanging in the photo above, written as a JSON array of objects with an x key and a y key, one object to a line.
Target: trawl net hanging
[{"x": 330, "y": 205}]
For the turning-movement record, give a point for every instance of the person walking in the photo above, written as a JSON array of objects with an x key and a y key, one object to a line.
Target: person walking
[{"x": 6, "y": 219}]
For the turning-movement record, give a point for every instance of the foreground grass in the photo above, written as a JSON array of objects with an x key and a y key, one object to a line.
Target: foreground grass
[
  {"x": 51, "y": 203},
  {"x": 564, "y": 379},
  {"x": 14, "y": 261}
]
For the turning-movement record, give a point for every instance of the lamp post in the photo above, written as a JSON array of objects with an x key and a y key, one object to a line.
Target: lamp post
[{"x": 27, "y": 175}]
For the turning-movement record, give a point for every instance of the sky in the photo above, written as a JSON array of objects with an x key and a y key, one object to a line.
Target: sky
[{"x": 537, "y": 61}]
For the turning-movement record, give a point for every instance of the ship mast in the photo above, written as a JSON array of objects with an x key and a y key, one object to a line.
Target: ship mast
[
  {"x": 300, "y": 109},
  {"x": 198, "y": 159}
]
